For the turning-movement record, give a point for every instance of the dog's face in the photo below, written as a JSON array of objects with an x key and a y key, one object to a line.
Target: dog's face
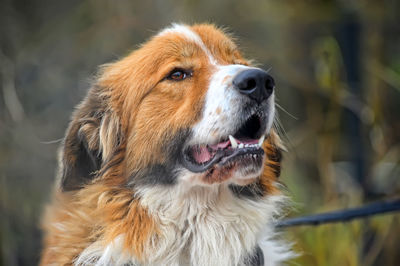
[{"x": 185, "y": 107}]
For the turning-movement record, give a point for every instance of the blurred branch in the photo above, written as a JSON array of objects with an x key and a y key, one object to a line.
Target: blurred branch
[
  {"x": 11, "y": 100},
  {"x": 345, "y": 98},
  {"x": 386, "y": 74}
]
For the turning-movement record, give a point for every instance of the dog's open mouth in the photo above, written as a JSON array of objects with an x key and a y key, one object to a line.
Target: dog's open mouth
[{"x": 244, "y": 145}]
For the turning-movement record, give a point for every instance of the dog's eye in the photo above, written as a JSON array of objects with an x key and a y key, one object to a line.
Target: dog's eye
[{"x": 178, "y": 74}]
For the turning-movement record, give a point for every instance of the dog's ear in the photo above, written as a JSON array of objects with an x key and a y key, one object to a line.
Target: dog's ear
[{"x": 91, "y": 139}]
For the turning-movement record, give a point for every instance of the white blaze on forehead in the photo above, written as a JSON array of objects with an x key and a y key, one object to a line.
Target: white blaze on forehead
[{"x": 190, "y": 35}]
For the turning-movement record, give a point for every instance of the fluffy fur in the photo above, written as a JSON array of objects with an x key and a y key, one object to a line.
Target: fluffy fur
[{"x": 125, "y": 198}]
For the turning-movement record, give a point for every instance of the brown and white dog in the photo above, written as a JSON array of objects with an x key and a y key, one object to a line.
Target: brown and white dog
[{"x": 171, "y": 159}]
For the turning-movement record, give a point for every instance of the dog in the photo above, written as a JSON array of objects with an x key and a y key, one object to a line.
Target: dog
[{"x": 171, "y": 159}]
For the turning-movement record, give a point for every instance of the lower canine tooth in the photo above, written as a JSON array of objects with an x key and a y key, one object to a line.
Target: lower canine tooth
[
  {"x": 261, "y": 141},
  {"x": 233, "y": 141}
]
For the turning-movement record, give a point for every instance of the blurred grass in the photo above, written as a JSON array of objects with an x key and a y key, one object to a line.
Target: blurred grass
[
  {"x": 339, "y": 244},
  {"x": 50, "y": 50}
]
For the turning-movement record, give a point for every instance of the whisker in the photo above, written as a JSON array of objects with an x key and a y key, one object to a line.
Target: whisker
[
  {"x": 52, "y": 141},
  {"x": 286, "y": 112},
  {"x": 282, "y": 132},
  {"x": 279, "y": 126}
]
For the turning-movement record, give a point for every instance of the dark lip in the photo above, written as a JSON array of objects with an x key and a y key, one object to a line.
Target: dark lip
[{"x": 221, "y": 158}]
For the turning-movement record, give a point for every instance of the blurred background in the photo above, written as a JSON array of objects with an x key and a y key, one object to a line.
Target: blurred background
[{"x": 337, "y": 69}]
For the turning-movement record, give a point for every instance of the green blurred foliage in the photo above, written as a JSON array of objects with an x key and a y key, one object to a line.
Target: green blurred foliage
[{"x": 337, "y": 115}]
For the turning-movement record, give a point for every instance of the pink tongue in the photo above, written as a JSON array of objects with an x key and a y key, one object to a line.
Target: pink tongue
[{"x": 201, "y": 155}]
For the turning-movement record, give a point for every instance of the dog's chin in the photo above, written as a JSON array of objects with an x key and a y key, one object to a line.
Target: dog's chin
[
  {"x": 242, "y": 171},
  {"x": 246, "y": 173}
]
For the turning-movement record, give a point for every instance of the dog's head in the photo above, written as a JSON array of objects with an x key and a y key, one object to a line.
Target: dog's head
[{"x": 185, "y": 107}]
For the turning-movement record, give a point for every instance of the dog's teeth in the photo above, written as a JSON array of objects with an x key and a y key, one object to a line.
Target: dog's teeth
[
  {"x": 233, "y": 141},
  {"x": 241, "y": 146},
  {"x": 254, "y": 156},
  {"x": 246, "y": 145},
  {"x": 261, "y": 141}
]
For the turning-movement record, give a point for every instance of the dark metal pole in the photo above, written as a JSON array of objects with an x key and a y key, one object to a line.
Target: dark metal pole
[{"x": 343, "y": 215}]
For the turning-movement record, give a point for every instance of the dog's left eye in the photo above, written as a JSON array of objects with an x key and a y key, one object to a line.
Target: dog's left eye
[{"x": 178, "y": 75}]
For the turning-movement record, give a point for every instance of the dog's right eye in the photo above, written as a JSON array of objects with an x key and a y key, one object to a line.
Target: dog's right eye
[{"x": 178, "y": 74}]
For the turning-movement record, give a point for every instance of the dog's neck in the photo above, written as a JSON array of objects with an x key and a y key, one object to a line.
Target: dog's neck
[
  {"x": 199, "y": 225},
  {"x": 209, "y": 225}
]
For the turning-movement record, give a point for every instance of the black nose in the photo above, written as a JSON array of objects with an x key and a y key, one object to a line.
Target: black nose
[{"x": 255, "y": 83}]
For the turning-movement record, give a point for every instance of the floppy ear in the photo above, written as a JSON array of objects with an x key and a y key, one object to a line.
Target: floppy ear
[{"x": 91, "y": 139}]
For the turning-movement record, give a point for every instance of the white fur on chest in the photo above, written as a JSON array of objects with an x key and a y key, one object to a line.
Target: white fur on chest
[{"x": 200, "y": 226}]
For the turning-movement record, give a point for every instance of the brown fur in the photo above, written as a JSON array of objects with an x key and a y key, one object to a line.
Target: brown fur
[
  {"x": 272, "y": 169},
  {"x": 120, "y": 128}
]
